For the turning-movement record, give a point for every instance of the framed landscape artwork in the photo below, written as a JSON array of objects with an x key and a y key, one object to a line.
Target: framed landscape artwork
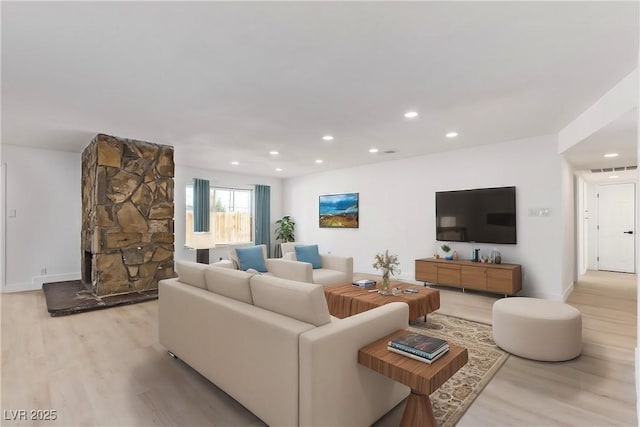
[{"x": 339, "y": 210}]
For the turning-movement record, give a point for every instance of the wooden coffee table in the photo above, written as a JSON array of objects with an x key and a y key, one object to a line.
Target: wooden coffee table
[
  {"x": 422, "y": 378},
  {"x": 347, "y": 300}
]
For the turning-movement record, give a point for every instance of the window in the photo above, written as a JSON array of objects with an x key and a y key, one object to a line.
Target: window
[{"x": 231, "y": 219}]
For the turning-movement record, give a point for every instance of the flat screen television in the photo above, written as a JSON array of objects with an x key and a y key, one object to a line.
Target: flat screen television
[{"x": 482, "y": 215}]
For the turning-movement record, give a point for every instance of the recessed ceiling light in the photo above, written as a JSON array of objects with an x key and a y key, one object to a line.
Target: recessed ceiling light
[
  {"x": 613, "y": 177},
  {"x": 411, "y": 114},
  {"x": 235, "y": 163},
  {"x": 451, "y": 134},
  {"x": 274, "y": 153},
  {"x": 278, "y": 169},
  {"x": 328, "y": 138},
  {"x": 611, "y": 155},
  {"x": 373, "y": 150},
  {"x": 319, "y": 161}
]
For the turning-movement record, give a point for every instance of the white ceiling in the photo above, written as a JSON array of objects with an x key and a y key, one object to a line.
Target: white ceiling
[
  {"x": 232, "y": 81},
  {"x": 620, "y": 137}
]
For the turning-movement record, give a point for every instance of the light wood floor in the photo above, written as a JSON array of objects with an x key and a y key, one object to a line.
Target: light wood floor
[{"x": 106, "y": 368}]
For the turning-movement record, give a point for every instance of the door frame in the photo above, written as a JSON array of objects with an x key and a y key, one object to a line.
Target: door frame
[{"x": 635, "y": 222}]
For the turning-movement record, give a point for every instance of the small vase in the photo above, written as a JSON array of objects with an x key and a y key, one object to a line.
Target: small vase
[{"x": 385, "y": 288}]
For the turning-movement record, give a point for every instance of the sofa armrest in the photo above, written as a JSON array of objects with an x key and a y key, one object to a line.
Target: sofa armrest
[
  {"x": 338, "y": 263},
  {"x": 291, "y": 270},
  {"x": 334, "y": 388}
]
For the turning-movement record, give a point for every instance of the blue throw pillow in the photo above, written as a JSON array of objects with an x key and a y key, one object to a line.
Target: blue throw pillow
[
  {"x": 251, "y": 257},
  {"x": 308, "y": 253}
]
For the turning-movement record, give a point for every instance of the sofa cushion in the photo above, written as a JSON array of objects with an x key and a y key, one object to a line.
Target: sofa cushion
[
  {"x": 302, "y": 301},
  {"x": 223, "y": 263},
  {"x": 290, "y": 256},
  {"x": 324, "y": 276},
  {"x": 229, "y": 283},
  {"x": 192, "y": 273},
  {"x": 310, "y": 254},
  {"x": 251, "y": 257},
  {"x": 289, "y": 249}
]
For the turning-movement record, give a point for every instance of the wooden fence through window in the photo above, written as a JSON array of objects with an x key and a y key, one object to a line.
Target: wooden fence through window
[{"x": 227, "y": 227}]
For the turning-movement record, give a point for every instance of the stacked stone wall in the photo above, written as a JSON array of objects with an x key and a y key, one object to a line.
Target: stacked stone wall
[{"x": 127, "y": 215}]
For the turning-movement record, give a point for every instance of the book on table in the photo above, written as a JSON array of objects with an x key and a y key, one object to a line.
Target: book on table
[
  {"x": 420, "y": 345},
  {"x": 416, "y": 357},
  {"x": 364, "y": 283},
  {"x": 428, "y": 356}
]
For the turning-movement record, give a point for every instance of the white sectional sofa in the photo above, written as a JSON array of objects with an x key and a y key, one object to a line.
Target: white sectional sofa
[
  {"x": 271, "y": 344},
  {"x": 335, "y": 269}
]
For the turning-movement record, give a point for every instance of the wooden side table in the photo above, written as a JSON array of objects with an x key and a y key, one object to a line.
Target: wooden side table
[{"x": 422, "y": 378}]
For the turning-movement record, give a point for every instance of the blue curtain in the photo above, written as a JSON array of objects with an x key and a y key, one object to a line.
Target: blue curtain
[
  {"x": 263, "y": 217},
  {"x": 200, "y": 205}
]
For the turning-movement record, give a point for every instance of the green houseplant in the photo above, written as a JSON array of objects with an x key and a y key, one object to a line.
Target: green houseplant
[
  {"x": 446, "y": 249},
  {"x": 285, "y": 229}
]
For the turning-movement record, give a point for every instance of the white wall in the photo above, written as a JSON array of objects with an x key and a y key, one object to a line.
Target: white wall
[
  {"x": 581, "y": 222},
  {"x": 185, "y": 175},
  {"x": 638, "y": 261},
  {"x": 397, "y": 210},
  {"x": 568, "y": 236},
  {"x": 3, "y": 222},
  {"x": 592, "y": 224},
  {"x": 637, "y": 358},
  {"x": 43, "y": 187}
]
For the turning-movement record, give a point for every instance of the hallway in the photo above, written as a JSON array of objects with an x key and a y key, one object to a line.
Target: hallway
[{"x": 608, "y": 302}]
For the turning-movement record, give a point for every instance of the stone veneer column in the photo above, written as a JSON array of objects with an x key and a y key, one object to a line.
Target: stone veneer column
[{"x": 127, "y": 215}]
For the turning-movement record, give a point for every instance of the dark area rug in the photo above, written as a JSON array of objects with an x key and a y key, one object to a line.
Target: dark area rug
[{"x": 70, "y": 297}]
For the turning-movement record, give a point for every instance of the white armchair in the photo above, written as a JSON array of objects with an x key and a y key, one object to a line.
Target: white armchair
[{"x": 335, "y": 269}]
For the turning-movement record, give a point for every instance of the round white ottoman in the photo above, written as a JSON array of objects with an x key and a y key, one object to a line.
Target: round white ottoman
[{"x": 537, "y": 329}]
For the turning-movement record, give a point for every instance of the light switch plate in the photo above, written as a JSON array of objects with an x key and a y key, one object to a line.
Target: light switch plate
[{"x": 546, "y": 212}]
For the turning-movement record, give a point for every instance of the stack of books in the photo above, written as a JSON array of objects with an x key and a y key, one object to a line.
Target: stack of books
[
  {"x": 420, "y": 347},
  {"x": 365, "y": 283}
]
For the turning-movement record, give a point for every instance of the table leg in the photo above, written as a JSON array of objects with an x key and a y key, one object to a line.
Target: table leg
[{"x": 418, "y": 411}]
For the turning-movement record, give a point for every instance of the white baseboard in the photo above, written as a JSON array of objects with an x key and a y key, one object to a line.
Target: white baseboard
[
  {"x": 567, "y": 292},
  {"x": 552, "y": 297},
  {"x": 541, "y": 295},
  {"x": 37, "y": 281},
  {"x": 19, "y": 287},
  {"x": 563, "y": 297},
  {"x": 409, "y": 280}
]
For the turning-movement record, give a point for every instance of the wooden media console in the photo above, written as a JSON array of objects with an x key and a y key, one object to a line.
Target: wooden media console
[{"x": 498, "y": 278}]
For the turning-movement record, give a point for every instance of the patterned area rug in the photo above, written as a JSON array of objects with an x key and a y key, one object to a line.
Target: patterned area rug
[{"x": 455, "y": 396}]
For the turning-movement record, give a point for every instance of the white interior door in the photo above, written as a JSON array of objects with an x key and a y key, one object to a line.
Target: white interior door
[{"x": 616, "y": 227}]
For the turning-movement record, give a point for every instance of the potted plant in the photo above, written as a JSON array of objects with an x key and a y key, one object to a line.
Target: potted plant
[
  {"x": 285, "y": 229},
  {"x": 446, "y": 249}
]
